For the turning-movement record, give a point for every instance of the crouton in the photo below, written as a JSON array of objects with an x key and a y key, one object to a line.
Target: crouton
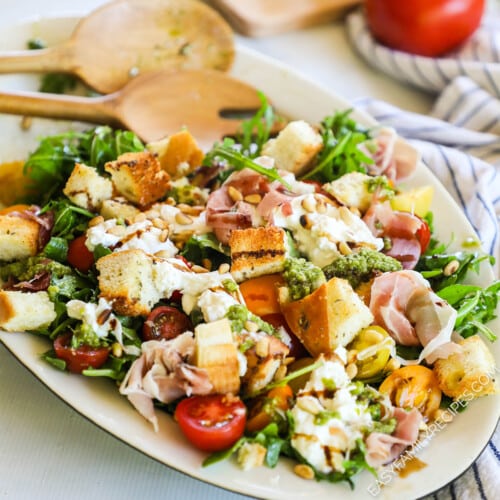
[
  {"x": 139, "y": 177},
  {"x": 18, "y": 237},
  {"x": 118, "y": 208},
  {"x": 469, "y": 373},
  {"x": 126, "y": 281},
  {"x": 351, "y": 190},
  {"x": 257, "y": 251},
  {"x": 329, "y": 317},
  {"x": 216, "y": 352},
  {"x": 295, "y": 147},
  {"x": 86, "y": 188},
  {"x": 22, "y": 311},
  {"x": 178, "y": 154}
]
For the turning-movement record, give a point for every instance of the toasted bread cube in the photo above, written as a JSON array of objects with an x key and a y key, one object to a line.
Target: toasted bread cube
[
  {"x": 352, "y": 190},
  {"x": 329, "y": 317},
  {"x": 139, "y": 177},
  {"x": 295, "y": 147},
  {"x": 216, "y": 352},
  {"x": 87, "y": 189},
  {"x": 126, "y": 281},
  {"x": 18, "y": 237},
  {"x": 257, "y": 251},
  {"x": 22, "y": 311},
  {"x": 118, "y": 208},
  {"x": 469, "y": 373},
  {"x": 178, "y": 154}
]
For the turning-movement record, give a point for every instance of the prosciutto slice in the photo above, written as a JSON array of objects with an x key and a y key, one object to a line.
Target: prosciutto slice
[
  {"x": 163, "y": 373},
  {"x": 404, "y": 304},
  {"x": 384, "y": 448},
  {"x": 393, "y": 156}
]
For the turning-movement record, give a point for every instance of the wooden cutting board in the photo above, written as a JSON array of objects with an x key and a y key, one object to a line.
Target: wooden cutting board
[{"x": 268, "y": 17}]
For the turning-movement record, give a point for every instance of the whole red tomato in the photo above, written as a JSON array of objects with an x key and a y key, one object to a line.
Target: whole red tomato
[{"x": 425, "y": 27}]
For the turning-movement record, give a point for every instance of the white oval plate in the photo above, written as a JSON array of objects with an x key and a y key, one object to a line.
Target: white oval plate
[{"x": 99, "y": 401}]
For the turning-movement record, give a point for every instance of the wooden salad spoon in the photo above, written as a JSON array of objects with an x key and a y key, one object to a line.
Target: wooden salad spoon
[
  {"x": 128, "y": 37},
  {"x": 152, "y": 105}
]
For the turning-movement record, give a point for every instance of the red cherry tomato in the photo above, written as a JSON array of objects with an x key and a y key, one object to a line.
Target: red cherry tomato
[
  {"x": 165, "y": 322},
  {"x": 212, "y": 423},
  {"x": 423, "y": 235},
  {"x": 79, "y": 358},
  {"x": 297, "y": 349},
  {"x": 425, "y": 27},
  {"x": 79, "y": 255}
]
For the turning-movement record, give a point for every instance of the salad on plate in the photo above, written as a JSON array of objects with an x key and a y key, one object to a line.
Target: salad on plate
[{"x": 279, "y": 296}]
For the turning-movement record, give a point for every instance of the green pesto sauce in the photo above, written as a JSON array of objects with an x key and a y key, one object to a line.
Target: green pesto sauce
[
  {"x": 84, "y": 335},
  {"x": 359, "y": 267},
  {"x": 238, "y": 315},
  {"x": 26, "y": 269},
  {"x": 302, "y": 277},
  {"x": 188, "y": 194}
]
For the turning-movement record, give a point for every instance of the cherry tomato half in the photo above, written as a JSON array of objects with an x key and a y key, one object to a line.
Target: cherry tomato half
[
  {"x": 79, "y": 358},
  {"x": 423, "y": 235},
  {"x": 79, "y": 256},
  {"x": 413, "y": 387},
  {"x": 165, "y": 322},
  {"x": 426, "y": 27},
  {"x": 212, "y": 423}
]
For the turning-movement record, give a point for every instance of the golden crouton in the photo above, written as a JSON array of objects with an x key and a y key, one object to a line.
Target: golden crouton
[
  {"x": 330, "y": 316},
  {"x": 467, "y": 374},
  {"x": 21, "y": 311},
  {"x": 118, "y": 208},
  {"x": 139, "y": 177},
  {"x": 352, "y": 190},
  {"x": 178, "y": 154},
  {"x": 86, "y": 188},
  {"x": 18, "y": 237},
  {"x": 216, "y": 352},
  {"x": 295, "y": 147},
  {"x": 257, "y": 251},
  {"x": 126, "y": 281}
]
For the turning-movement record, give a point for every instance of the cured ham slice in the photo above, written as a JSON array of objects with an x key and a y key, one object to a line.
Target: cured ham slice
[
  {"x": 404, "y": 304},
  {"x": 162, "y": 373},
  {"x": 384, "y": 448},
  {"x": 401, "y": 227},
  {"x": 393, "y": 156}
]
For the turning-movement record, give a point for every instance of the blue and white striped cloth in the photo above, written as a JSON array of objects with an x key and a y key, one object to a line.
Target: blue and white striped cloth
[{"x": 460, "y": 142}]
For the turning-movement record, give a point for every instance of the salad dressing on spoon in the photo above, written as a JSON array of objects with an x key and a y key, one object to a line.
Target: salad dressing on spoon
[{"x": 129, "y": 37}]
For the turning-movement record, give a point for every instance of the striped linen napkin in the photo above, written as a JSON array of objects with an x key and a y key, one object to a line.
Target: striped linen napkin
[{"x": 460, "y": 142}]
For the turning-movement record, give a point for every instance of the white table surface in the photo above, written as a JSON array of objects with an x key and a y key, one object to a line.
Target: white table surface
[{"x": 47, "y": 450}]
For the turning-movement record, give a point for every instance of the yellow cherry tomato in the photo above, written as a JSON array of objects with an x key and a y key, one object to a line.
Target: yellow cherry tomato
[
  {"x": 373, "y": 346},
  {"x": 413, "y": 387}
]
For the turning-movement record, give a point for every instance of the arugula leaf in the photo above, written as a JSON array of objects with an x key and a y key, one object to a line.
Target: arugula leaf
[
  {"x": 50, "y": 165},
  {"x": 475, "y": 307},
  {"x": 227, "y": 151},
  {"x": 205, "y": 246},
  {"x": 340, "y": 154},
  {"x": 256, "y": 131},
  {"x": 435, "y": 267}
]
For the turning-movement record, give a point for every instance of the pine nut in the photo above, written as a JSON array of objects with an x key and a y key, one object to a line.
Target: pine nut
[
  {"x": 451, "y": 267},
  {"x": 254, "y": 199},
  {"x": 344, "y": 248},
  {"x": 159, "y": 223},
  {"x": 163, "y": 236},
  {"x": 26, "y": 122},
  {"x": 234, "y": 194},
  {"x": 251, "y": 326},
  {"x": 280, "y": 373},
  {"x": 183, "y": 219},
  {"x": 224, "y": 268},
  {"x": 304, "y": 471},
  {"x": 305, "y": 221},
  {"x": 117, "y": 350},
  {"x": 309, "y": 204},
  {"x": 96, "y": 220},
  {"x": 351, "y": 370},
  {"x": 262, "y": 346},
  {"x": 199, "y": 269}
]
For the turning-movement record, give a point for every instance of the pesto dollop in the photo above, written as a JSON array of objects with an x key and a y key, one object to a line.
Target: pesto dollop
[
  {"x": 302, "y": 277},
  {"x": 27, "y": 269},
  {"x": 360, "y": 267}
]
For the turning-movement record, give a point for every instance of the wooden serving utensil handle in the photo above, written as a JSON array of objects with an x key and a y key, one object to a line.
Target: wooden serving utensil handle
[
  {"x": 59, "y": 58},
  {"x": 93, "y": 110}
]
